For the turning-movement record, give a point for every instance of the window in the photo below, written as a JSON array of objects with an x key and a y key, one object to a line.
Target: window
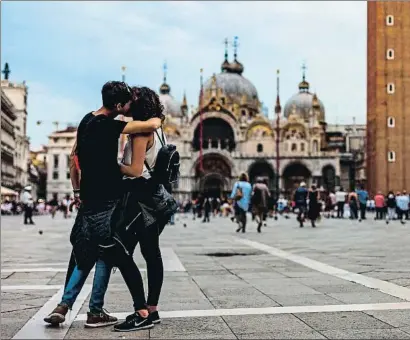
[
  {"x": 68, "y": 161},
  {"x": 302, "y": 147},
  {"x": 390, "y": 20},
  {"x": 315, "y": 146},
  {"x": 55, "y": 174},
  {"x": 68, "y": 175},
  {"x": 259, "y": 148},
  {"x": 391, "y": 156},
  {"x": 390, "y": 54},
  {"x": 390, "y": 88},
  {"x": 223, "y": 100},
  {"x": 294, "y": 147},
  {"x": 243, "y": 112},
  {"x": 55, "y": 140},
  {"x": 55, "y": 161},
  {"x": 391, "y": 122}
]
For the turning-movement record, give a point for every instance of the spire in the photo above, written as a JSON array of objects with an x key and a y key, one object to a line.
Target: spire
[
  {"x": 236, "y": 66},
  {"x": 165, "y": 89},
  {"x": 123, "y": 69},
  {"x": 6, "y": 71},
  {"x": 184, "y": 105},
  {"x": 165, "y": 68},
  {"x": 235, "y": 47},
  {"x": 278, "y": 108},
  {"x": 304, "y": 85},
  {"x": 225, "y": 65}
]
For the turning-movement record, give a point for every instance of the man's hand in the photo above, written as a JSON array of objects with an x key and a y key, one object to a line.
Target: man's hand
[{"x": 76, "y": 202}]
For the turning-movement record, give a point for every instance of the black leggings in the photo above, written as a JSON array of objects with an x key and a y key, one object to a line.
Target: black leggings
[
  {"x": 131, "y": 274},
  {"x": 149, "y": 244}
]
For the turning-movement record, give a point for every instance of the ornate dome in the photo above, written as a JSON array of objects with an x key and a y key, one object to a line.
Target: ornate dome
[
  {"x": 171, "y": 106},
  {"x": 301, "y": 103},
  {"x": 233, "y": 86}
]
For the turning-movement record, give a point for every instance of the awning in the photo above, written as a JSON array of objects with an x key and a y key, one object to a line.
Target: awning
[{"x": 8, "y": 192}]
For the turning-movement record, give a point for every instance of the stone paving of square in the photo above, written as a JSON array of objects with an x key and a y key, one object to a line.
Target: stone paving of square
[{"x": 341, "y": 280}]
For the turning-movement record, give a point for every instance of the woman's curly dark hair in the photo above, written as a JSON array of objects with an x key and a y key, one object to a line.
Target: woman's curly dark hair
[{"x": 146, "y": 104}]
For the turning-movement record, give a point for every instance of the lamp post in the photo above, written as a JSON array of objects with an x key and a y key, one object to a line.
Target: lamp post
[{"x": 278, "y": 110}]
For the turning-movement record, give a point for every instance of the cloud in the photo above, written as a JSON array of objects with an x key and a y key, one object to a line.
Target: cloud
[
  {"x": 72, "y": 48},
  {"x": 46, "y": 106}
]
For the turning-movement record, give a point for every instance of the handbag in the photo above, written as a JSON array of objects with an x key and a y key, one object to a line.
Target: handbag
[{"x": 238, "y": 193}]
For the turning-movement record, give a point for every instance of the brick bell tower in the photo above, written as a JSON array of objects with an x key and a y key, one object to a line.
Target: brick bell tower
[{"x": 388, "y": 96}]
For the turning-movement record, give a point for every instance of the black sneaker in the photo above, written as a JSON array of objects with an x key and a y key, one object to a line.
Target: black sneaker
[
  {"x": 154, "y": 317},
  {"x": 134, "y": 322},
  {"x": 102, "y": 319}
]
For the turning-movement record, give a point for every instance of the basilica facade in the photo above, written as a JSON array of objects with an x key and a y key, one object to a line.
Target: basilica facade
[{"x": 237, "y": 137}]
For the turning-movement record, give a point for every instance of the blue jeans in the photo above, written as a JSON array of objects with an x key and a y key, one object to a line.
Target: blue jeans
[
  {"x": 100, "y": 285},
  {"x": 172, "y": 219}
]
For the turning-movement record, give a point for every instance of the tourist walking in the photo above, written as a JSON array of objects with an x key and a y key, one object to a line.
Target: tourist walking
[
  {"x": 241, "y": 194},
  {"x": 207, "y": 209},
  {"x": 340, "y": 202},
  {"x": 402, "y": 202},
  {"x": 260, "y": 197},
  {"x": 391, "y": 207},
  {"x": 300, "y": 199},
  {"x": 353, "y": 205},
  {"x": 314, "y": 205},
  {"x": 379, "y": 202},
  {"x": 28, "y": 205},
  {"x": 363, "y": 197}
]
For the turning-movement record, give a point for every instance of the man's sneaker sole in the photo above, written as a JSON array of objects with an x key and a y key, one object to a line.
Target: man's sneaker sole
[
  {"x": 55, "y": 319},
  {"x": 100, "y": 324},
  {"x": 135, "y": 329}
]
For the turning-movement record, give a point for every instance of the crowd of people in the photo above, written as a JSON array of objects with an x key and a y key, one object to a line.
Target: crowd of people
[
  {"x": 307, "y": 203},
  {"x": 28, "y": 207}
]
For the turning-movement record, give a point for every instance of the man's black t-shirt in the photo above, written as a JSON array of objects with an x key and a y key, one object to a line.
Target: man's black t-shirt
[{"x": 97, "y": 147}]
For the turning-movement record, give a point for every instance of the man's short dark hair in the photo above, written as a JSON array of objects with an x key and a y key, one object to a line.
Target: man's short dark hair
[{"x": 115, "y": 92}]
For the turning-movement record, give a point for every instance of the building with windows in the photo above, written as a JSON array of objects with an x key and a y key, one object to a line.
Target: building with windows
[
  {"x": 60, "y": 144},
  {"x": 17, "y": 95},
  {"x": 8, "y": 143},
  {"x": 388, "y": 95}
]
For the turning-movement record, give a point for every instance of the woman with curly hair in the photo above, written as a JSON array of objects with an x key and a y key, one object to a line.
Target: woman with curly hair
[{"x": 140, "y": 150}]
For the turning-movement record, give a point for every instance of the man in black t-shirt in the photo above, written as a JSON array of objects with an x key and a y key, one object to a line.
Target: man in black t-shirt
[{"x": 96, "y": 179}]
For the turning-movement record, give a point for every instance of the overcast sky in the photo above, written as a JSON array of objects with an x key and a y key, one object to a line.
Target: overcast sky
[{"x": 67, "y": 50}]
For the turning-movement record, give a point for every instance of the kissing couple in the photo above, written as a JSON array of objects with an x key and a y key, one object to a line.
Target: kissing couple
[{"x": 120, "y": 204}]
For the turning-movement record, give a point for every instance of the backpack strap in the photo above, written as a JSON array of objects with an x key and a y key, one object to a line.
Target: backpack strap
[
  {"x": 147, "y": 166},
  {"x": 162, "y": 140}
]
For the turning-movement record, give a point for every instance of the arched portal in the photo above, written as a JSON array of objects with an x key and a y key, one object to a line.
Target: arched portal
[
  {"x": 262, "y": 169},
  {"x": 329, "y": 178},
  {"x": 214, "y": 179},
  {"x": 293, "y": 175},
  {"x": 216, "y": 133},
  {"x": 212, "y": 185}
]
